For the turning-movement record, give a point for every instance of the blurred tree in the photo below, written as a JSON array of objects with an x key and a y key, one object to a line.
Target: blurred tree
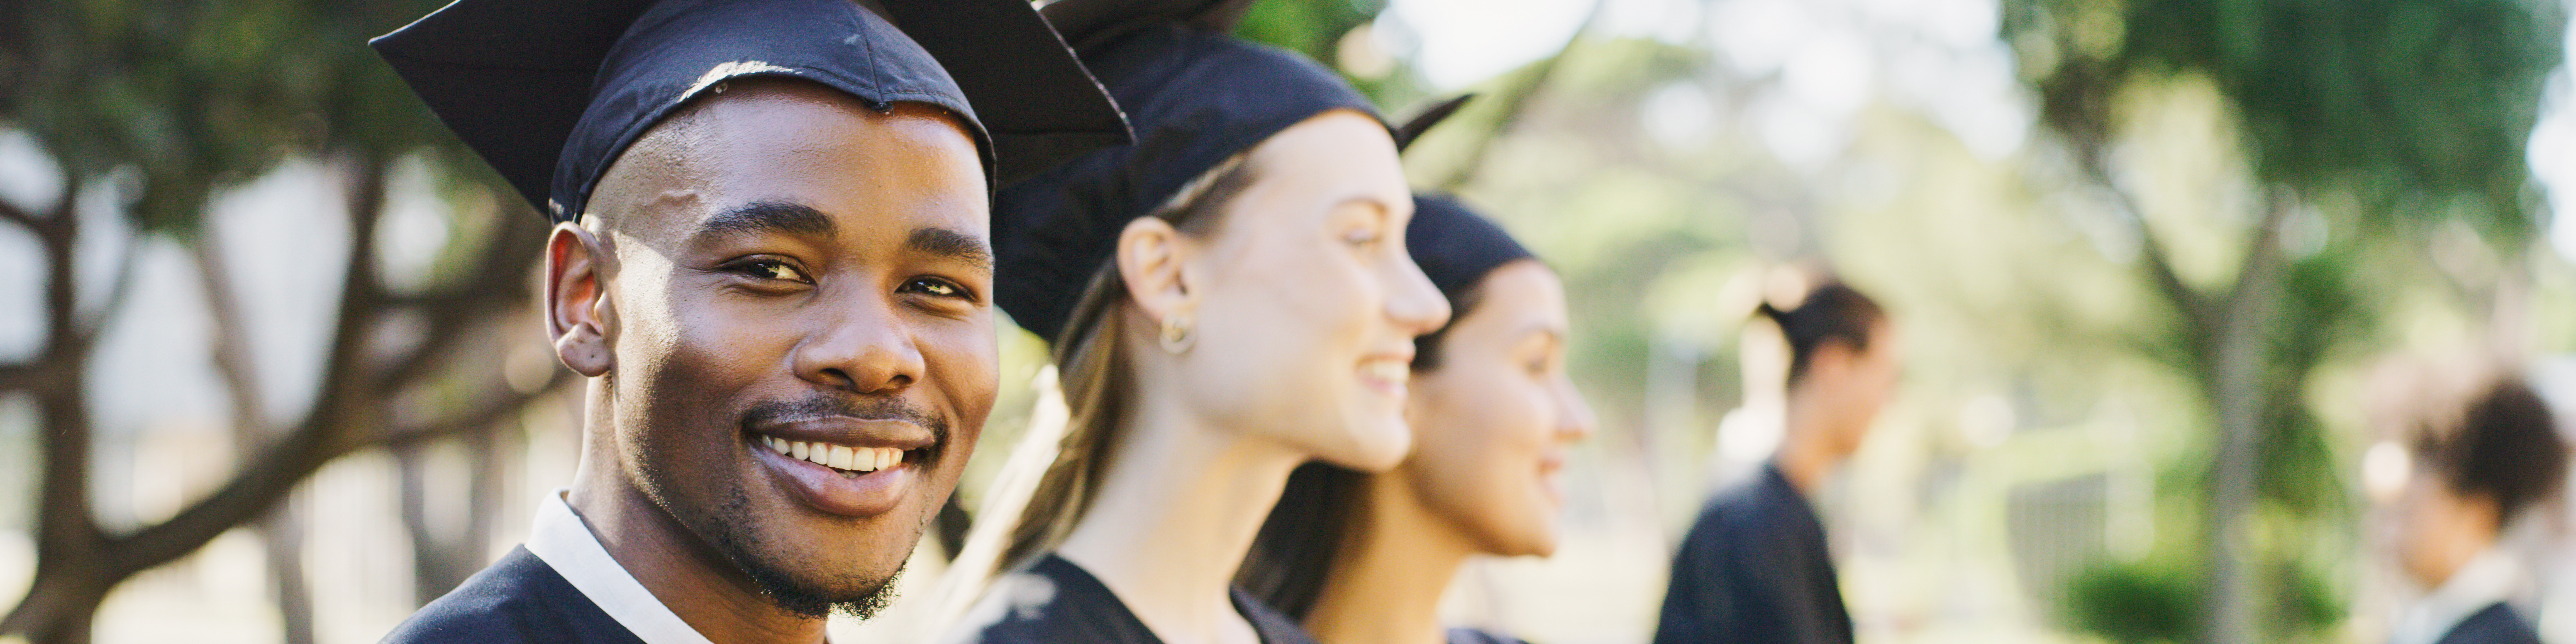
[
  {"x": 2387, "y": 118},
  {"x": 164, "y": 105}
]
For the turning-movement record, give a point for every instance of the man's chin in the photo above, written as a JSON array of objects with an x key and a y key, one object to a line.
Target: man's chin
[{"x": 860, "y": 599}]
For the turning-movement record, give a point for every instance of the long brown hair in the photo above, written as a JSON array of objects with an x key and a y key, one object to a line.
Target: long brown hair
[{"x": 1092, "y": 369}]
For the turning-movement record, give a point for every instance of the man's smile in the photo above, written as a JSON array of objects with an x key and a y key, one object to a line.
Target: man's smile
[{"x": 843, "y": 465}]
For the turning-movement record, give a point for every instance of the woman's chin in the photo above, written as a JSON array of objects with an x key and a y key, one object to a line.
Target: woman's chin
[{"x": 1373, "y": 445}]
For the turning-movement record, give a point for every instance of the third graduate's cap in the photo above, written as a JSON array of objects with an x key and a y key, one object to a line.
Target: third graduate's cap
[{"x": 1455, "y": 246}]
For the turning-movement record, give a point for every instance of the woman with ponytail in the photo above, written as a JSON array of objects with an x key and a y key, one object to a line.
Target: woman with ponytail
[
  {"x": 1364, "y": 558},
  {"x": 1754, "y": 567},
  {"x": 1226, "y": 299}
]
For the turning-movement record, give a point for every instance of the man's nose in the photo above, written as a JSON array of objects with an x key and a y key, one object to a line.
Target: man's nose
[{"x": 861, "y": 347}]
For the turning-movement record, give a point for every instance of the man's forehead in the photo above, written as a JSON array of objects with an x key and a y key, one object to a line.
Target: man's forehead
[{"x": 786, "y": 141}]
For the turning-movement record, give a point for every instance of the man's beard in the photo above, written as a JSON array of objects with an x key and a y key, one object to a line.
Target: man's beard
[
  {"x": 734, "y": 538},
  {"x": 730, "y": 528}
]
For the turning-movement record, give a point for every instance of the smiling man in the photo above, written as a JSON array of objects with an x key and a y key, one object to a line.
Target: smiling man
[{"x": 771, "y": 262}]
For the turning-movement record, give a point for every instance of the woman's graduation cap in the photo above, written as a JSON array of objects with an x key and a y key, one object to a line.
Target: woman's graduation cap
[
  {"x": 1195, "y": 95},
  {"x": 550, "y": 92},
  {"x": 1455, "y": 246}
]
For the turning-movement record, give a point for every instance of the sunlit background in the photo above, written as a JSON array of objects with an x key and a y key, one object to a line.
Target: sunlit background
[{"x": 2065, "y": 203}]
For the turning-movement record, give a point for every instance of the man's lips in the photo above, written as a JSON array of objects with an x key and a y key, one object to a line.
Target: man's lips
[
  {"x": 854, "y": 432},
  {"x": 844, "y": 465}
]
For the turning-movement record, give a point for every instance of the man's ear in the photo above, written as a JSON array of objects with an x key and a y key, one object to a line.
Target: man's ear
[
  {"x": 1153, "y": 260},
  {"x": 579, "y": 318}
]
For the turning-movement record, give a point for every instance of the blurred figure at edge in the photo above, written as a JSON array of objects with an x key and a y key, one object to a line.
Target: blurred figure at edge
[
  {"x": 2474, "y": 473},
  {"x": 1754, "y": 567}
]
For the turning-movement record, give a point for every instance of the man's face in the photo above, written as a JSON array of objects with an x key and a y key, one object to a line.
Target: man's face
[{"x": 801, "y": 331}]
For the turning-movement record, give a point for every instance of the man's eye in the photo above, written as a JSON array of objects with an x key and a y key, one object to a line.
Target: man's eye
[
  {"x": 776, "y": 270},
  {"x": 934, "y": 287}
]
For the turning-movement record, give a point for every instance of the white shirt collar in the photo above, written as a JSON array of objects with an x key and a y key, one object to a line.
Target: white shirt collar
[
  {"x": 2486, "y": 579},
  {"x": 559, "y": 538}
]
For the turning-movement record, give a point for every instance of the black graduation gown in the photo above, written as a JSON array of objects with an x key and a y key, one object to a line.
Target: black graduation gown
[
  {"x": 518, "y": 599},
  {"x": 1473, "y": 636},
  {"x": 2498, "y": 624},
  {"x": 1754, "y": 569},
  {"x": 1084, "y": 611}
]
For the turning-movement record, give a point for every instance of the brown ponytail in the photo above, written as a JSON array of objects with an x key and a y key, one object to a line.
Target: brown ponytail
[
  {"x": 1092, "y": 370},
  {"x": 1831, "y": 313}
]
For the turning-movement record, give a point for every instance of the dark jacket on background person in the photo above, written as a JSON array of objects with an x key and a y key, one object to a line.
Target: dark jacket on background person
[
  {"x": 1754, "y": 569},
  {"x": 2498, "y": 624}
]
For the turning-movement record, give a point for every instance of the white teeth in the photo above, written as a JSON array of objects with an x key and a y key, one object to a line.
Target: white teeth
[
  {"x": 843, "y": 457},
  {"x": 1389, "y": 370}
]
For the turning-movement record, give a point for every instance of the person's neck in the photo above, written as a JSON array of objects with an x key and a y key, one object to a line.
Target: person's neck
[
  {"x": 1389, "y": 574},
  {"x": 714, "y": 598},
  {"x": 1807, "y": 454},
  {"x": 1173, "y": 518}
]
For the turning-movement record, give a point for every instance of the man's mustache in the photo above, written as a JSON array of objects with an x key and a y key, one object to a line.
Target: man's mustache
[{"x": 828, "y": 406}]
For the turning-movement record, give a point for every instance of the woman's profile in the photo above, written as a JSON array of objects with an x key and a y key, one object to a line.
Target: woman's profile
[
  {"x": 1364, "y": 558},
  {"x": 1226, "y": 299}
]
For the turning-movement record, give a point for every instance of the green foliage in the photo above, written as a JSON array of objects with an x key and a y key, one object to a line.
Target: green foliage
[
  {"x": 2389, "y": 100},
  {"x": 2134, "y": 603},
  {"x": 1315, "y": 28},
  {"x": 2160, "y": 601},
  {"x": 1312, "y": 27},
  {"x": 2308, "y": 602},
  {"x": 195, "y": 96}
]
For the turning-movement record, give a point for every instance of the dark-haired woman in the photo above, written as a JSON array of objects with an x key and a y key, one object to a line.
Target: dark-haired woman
[
  {"x": 2475, "y": 473},
  {"x": 1754, "y": 567},
  {"x": 1227, "y": 298},
  {"x": 1364, "y": 558}
]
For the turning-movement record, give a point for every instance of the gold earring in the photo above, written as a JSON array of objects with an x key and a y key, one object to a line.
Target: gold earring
[{"x": 1178, "y": 333}]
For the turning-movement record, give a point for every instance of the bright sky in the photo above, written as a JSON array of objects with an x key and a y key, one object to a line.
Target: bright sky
[
  {"x": 1939, "y": 57},
  {"x": 2553, "y": 156},
  {"x": 1831, "y": 57}
]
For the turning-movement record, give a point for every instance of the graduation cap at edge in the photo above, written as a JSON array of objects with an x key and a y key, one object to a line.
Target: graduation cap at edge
[
  {"x": 1454, "y": 245},
  {"x": 1195, "y": 96},
  {"x": 550, "y": 92},
  {"x": 1412, "y": 129}
]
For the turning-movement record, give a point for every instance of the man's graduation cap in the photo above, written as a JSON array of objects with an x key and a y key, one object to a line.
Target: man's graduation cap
[
  {"x": 550, "y": 92},
  {"x": 1195, "y": 96}
]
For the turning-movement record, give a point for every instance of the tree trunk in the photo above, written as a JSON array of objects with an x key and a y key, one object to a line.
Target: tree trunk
[
  {"x": 2237, "y": 388},
  {"x": 283, "y": 533}
]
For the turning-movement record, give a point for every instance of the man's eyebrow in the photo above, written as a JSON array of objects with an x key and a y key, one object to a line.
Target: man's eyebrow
[
  {"x": 769, "y": 216},
  {"x": 951, "y": 244}
]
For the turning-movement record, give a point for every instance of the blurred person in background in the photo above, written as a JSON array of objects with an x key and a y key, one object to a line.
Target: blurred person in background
[
  {"x": 1226, "y": 299},
  {"x": 1754, "y": 567},
  {"x": 1364, "y": 558},
  {"x": 2475, "y": 472},
  {"x": 775, "y": 276}
]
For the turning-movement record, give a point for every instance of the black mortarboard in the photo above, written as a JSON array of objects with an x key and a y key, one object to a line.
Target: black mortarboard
[
  {"x": 550, "y": 92},
  {"x": 1195, "y": 95},
  {"x": 1456, "y": 247}
]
